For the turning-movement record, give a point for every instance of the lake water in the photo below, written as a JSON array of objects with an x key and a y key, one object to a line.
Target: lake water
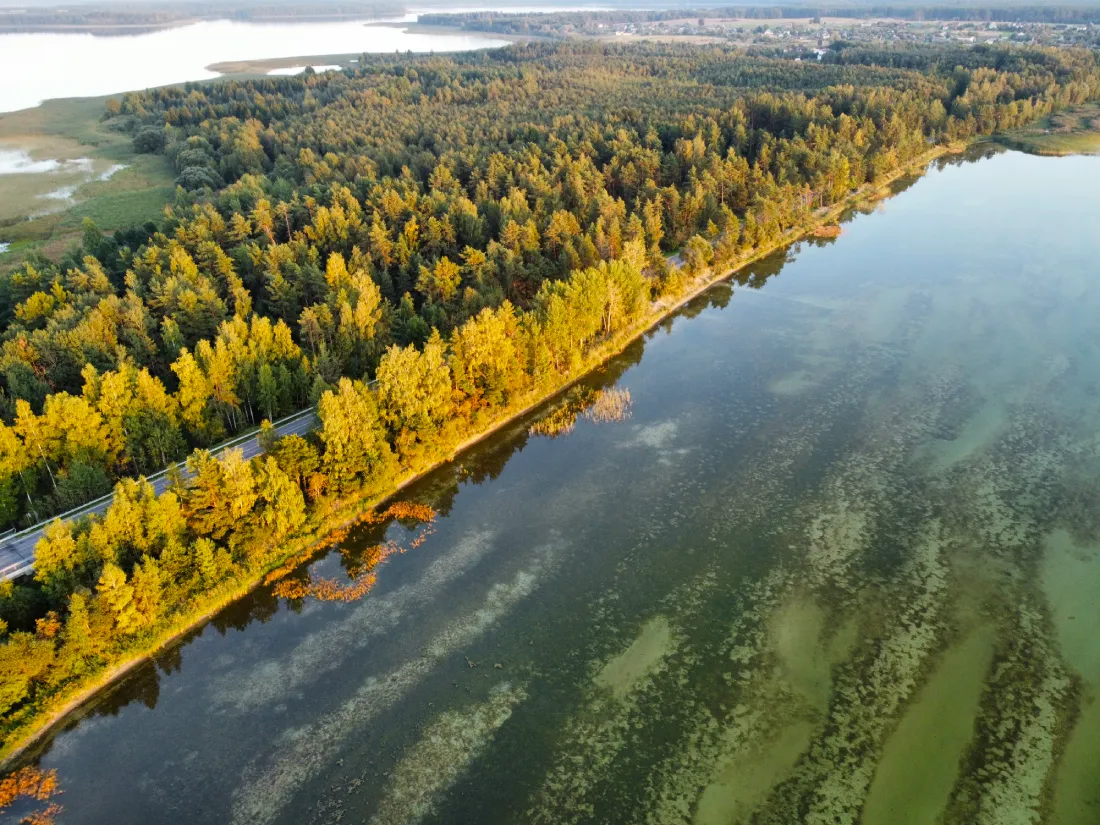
[
  {"x": 83, "y": 65},
  {"x": 841, "y": 564},
  {"x": 19, "y": 162}
]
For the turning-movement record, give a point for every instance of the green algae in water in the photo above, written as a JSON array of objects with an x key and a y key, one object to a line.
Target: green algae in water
[
  {"x": 920, "y": 762},
  {"x": 433, "y": 764},
  {"x": 1071, "y": 578},
  {"x": 645, "y": 653}
]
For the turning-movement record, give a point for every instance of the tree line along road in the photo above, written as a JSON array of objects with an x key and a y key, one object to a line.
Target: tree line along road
[{"x": 17, "y": 550}]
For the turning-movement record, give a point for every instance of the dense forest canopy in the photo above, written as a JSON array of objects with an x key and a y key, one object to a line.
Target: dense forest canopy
[
  {"x": 323, "y": 218},
  {"x": 536, "y": 22},
  {"x": 415, "y": 246}
]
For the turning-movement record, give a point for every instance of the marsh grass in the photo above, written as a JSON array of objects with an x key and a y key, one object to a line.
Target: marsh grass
[
  {"x": 1071, "y": 132},
  {"x": 67, "y": 130}
]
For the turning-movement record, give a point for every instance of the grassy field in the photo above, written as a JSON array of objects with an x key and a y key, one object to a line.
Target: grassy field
[
  {"x": 1072, "y": 132},
  {"x": 103, "y": 179}
]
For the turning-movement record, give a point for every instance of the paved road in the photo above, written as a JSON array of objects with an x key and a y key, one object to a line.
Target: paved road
[{"x": 17, "y": 552}]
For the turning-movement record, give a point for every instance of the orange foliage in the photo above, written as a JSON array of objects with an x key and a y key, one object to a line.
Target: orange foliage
[
  {"x": 561, "y": 421},
  {"x": 48, "y": 626},
  {"x": 327, "y": 590},
  {"x": 315, "y": 488},
  {"x": 47, "y": 816},
  {"x": 598, "y": 406},
  {"x": 609, "y": 405},
  {"x": 401, "y": 510},
  {"x": 32, "y": 783},
  {"x": 333, "y": 590}
]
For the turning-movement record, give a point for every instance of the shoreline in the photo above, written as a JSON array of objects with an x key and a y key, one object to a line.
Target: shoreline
[
  {"x": 416, "y": 27},
  {"x": 262, "y": 66},
  {"x": 38, "y": 732},
  {"x": 1041, "y": 150}
]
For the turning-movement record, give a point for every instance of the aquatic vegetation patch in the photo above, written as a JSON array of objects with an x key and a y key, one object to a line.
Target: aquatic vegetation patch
[
  {"x": 781, "y": 707},
  {"x": 830, "y": 784},
  {"x": 1022, "y": 724},
  {"x": 627, "y": 692},
  {"x": 301, "y": 754},
  {"x": 920, "y": 762},
  {"x": 1078, "y": 505},
  {"x": 347, "y": 635},
  {"x": 836, "y": 540},
  {"x": 839, "y": 749},
  {"x": 856, "y": 511},
  {"x": 589, "y": 750},
  {"x": 1002, "y": 497},
  {"x": 622, "y": 673},
  {"x": 444, "y": 751},
  {"x": 716, "y": 734}
]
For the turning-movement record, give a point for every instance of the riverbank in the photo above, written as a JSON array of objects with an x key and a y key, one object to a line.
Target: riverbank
[
  {"x": 1073, "y": 131},
  {"x": 25, "y": 736}
]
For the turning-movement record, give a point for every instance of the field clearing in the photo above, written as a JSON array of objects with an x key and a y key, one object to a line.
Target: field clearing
[
  {"x": 100, "y": 177},
  {"x": 1072, "y": 132}
]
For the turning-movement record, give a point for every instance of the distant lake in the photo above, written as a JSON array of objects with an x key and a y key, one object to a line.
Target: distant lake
[{"x": 85, "y": 65}]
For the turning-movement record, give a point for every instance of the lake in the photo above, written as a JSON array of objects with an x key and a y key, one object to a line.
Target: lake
[
  {"x": 83, "y": 65},
  {"x": 840, "y": 563}
]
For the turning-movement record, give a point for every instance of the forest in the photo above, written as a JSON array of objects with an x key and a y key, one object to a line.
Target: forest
[
  {"x": 418, "y": 247},
  {"x": 554, "y": 23}
]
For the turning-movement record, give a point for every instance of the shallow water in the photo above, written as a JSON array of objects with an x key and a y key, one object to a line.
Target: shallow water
[
  {"x": 841, "y": 564},
  {"x": 19, "y": 162},
  {"x": 54, "y": 181}
]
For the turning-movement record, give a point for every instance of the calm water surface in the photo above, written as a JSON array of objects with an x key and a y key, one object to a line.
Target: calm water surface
[
  {"x": 842, "y": 564},
  {"x": 83, "y": 65}
]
